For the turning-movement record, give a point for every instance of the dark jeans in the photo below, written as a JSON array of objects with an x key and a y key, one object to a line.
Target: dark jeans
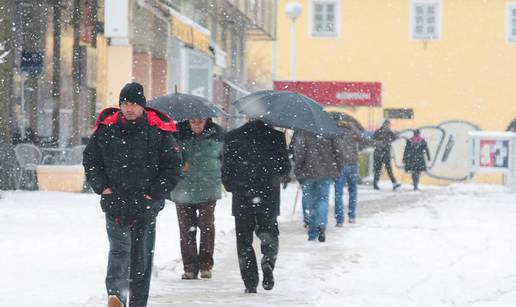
[
  {"x": 266, "y": 228},
  {"x": 191, "y": 217},
  {"x": 382, "y": 158},
  {"x": 131, "y": 250}
]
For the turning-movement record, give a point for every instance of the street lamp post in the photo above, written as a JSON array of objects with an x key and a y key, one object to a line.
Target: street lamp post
[{"x": 293, "y": 11}]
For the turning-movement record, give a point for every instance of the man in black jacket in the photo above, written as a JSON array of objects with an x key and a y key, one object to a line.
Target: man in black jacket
[
  {"x": 383, "y": 137},
  {"x": 255, "y": 160},
  {"x": 133, "y": 161}
]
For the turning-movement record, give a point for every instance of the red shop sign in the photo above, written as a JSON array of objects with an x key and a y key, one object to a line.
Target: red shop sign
[{"x": 336, "y": 93}]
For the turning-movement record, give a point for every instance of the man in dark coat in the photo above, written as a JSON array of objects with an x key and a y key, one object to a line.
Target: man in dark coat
[
  {"x": 255, "y": 158},
  {"x": 133, "y": 161},
  {"x": 382, "y": 154},
  {"x": 414, "y": 157}
]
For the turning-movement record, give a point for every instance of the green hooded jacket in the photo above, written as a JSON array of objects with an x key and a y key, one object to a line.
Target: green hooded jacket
[{"x": 202, "y": 156}]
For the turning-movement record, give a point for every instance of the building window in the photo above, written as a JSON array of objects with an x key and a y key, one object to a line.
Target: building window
[
  {"x": 511, "y": 22},
  {"x": 324, "y": 18},
  {"x": 426, "y": 19}
]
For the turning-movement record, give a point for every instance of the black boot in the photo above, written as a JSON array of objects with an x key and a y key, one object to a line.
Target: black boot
[
  {"x": 322, "y": 234},
  {"x": 268, "y": 277}
]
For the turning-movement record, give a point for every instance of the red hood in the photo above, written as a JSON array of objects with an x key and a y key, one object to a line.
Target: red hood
[{"x": 109, "y": 116}]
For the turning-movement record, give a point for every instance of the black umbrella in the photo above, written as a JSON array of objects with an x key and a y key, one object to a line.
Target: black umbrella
[
  {"x": 181, "y": 107},
  {"x": 288, "y": 110}
]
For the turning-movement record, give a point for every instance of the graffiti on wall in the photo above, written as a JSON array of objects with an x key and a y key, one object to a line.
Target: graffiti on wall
[{"x": 449, "y": 149}]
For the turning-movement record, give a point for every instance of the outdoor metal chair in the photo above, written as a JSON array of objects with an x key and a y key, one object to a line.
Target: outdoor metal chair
[
  {"x": 28, "y": 157},
  {"x": 8, "y": 167},
  {"x": 74, "y": 156}
]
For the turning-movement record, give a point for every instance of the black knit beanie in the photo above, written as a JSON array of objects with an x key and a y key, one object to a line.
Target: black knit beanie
[{"x": 132, "y": 92}]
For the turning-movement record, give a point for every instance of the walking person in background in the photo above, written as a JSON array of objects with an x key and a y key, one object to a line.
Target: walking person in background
[
  {"x": 304, "y": 203},
  {"x": 382, "y": 154},
  {"x": 197, "y": 192},
  {"x": 349, "y": 143},
  {"x": 414, "y": 157},
  {"x": 133, "y": 161},
  {"x": 255, "y": 160},
  {"x": 317, "y": 165}
]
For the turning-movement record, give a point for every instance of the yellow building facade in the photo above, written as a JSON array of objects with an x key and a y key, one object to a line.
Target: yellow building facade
[
  {"x": 467, "y": 73},
  {"x": 444, "y": 59}
]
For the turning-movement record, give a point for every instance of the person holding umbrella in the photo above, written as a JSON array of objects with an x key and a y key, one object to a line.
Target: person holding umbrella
[
  {"x": 198, "y": 189},
  {"x": 255, "y": 160},
  {"x": 196, "y": 193}
]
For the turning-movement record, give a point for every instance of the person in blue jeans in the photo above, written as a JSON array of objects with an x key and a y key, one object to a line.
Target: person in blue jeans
[
  {"x": 316, "y": 166},
  {"x": 349, "y": 143},
  {"x": 316, "y": 196},
  {"x": 349, "y": 177}
]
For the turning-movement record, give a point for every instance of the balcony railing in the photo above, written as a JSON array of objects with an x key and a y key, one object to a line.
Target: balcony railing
[{"x": 258, "y": 17}]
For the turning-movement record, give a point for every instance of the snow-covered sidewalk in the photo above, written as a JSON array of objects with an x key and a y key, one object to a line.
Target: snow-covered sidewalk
[{"x": 444, "y": 246}]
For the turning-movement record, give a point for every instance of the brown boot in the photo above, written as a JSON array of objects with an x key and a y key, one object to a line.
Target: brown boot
[
  {"x": 114, "y": 301},
  {"x": 206, "y": 274}
]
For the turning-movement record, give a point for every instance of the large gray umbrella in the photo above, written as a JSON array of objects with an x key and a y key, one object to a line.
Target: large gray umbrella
[
  {"x": 181, "y": 107},
  {"x": 288, "y": 110}
]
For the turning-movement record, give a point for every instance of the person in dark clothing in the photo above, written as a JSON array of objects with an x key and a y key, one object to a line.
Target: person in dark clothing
[
  {"x": 382, "y": 154},
  {"x": 318, "y": 163},
  {"x": 133, "y": 161},
  {"x": 196, "y": 193},
  {"x": 255, "y": 158},
  {"x": 349, "y": 143},
  {"x": 414, "y": 157}
]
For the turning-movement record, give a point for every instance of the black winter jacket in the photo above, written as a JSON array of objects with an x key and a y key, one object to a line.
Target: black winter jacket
[
  {"x": 384, "y": 137},
  {"x": 414, "y": 155},
  {"x": 255, "y": 159},
  {"x": 133, "y": 159}
]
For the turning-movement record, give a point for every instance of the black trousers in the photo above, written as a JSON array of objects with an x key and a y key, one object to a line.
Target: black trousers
[
  {"x": 381, "y": 158},
  {"x": 266, "y": 228},
  {"x": 131, "y": 250},
  {"x": 415, "y": 179},
  {"x": 191, "y": 217}
]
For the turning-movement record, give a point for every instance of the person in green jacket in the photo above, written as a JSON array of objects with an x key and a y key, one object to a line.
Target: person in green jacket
[{"x": 196, "y": 193}]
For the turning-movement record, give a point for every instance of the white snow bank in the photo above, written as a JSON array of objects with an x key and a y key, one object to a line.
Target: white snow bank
[{"x": 451, "y": 246}]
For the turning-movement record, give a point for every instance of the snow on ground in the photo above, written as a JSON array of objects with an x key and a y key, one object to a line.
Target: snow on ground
[{"x": 443, "y": 246}]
